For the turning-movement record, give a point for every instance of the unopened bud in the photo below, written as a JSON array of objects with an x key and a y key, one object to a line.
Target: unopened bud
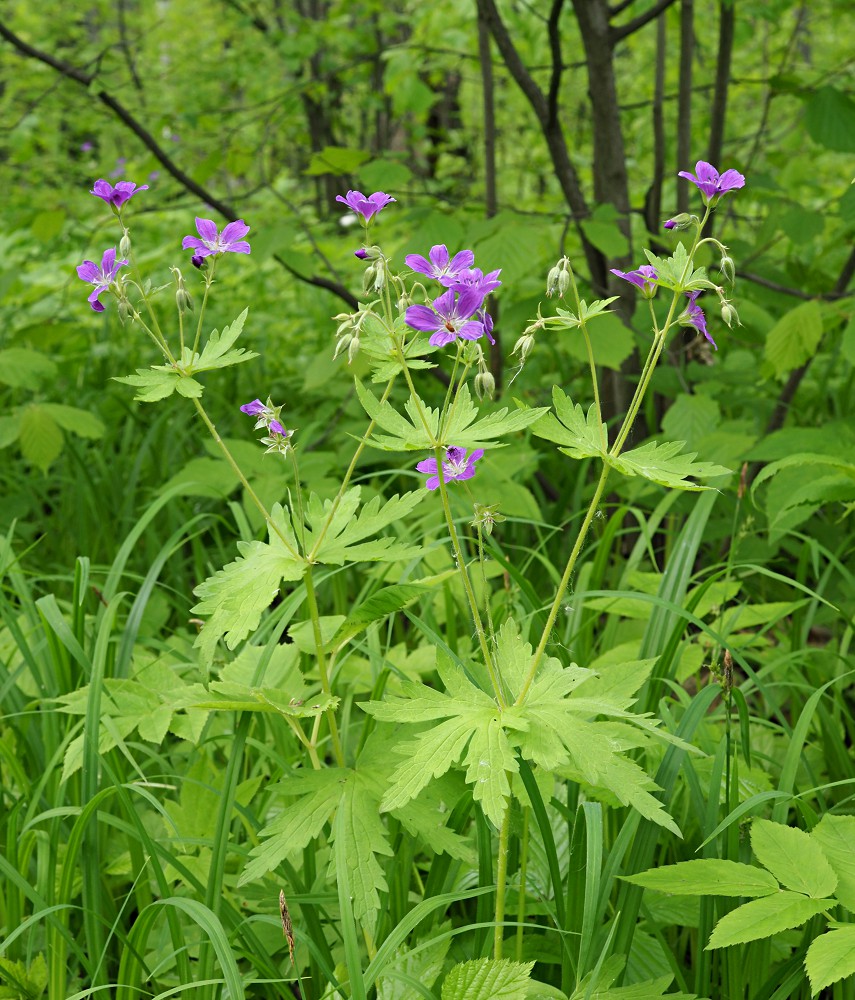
[
  {"x": 342, "y": 345},
  {"x": 727, "y": 268},
  {"x": 183, "y": 299},
  {"x": 361, "y": 254},
  {"x": 352, "y": 350},
  {"x": 380, "y": 278},
  {"x": 680, "y": 222},
  {"x": 125, "y": 310},
  {"x": 729, "y": 314},
  {"x": 369, "y": 277},
  {"x": 563, "y": 283},
  {"x": 523, "y": 346},
  {"x": 125, "y": 244},
  {"x": 485, "y": 385},
  {"x": 198, "y": 261},
  {"x": 552, "y": 281}
]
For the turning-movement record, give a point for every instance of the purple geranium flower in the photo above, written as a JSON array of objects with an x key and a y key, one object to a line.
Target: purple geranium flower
[
  {"x": 366, "y": 207},
  {"x": 694, "y": 316},
  {"x": 475, "y": 278},
  {"x": 101, "y": 277},
  {"x": 86, "y": 147},
  {"x": 643, "y": 278},
  {"x": 670, "y": 224},
  {"x": 708, "y": 181},
  {"x": 118, "y": 195},
  {"x": 214, "y": 242},
  {"x": 456, "y": 466},
  {"x": 441, "y": 266},
  {"x": 485, "y": 318},
  {"x": 449, "y": 317}
]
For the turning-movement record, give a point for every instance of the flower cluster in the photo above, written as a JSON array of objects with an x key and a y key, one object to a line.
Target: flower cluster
[
  {"x": 459, "y": 312},
  {"x": 211, "y": 242},
  {"x": 278, "y": 439}
]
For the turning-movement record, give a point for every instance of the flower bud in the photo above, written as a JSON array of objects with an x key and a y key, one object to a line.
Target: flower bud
[
  {"x": 125, "y": 310},
  {"x": 369, "y": 277},
  {"x": 183, "y": 299},
  {"x": 563, "y": 282},
  {"x": 729, "y": 314},
  {"x": 727, "y": 268},
  {"x": 352, "y": 350},
  {"x": 361, "y": 254},
  {"x": 380, "y": 278},
  {"x": 485, "y": 385},
  {"x": 552, "y": 281},
  {"x": 523, "y": 346},
  {"x": 125, "y": 244},
  {"x": 197, "y": 260},
  {"x": 343, "y": 345},
  {"x": 680, "y": 222}
]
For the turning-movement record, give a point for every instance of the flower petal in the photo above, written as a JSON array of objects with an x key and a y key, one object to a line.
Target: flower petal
[
  {"x": 240, "y": 247},
  {"x": 206, "y": 229},
  {"x": 235, "y": 231},
  {"x": 422, "y": 318},
  {"x": 88, "y": 270}
]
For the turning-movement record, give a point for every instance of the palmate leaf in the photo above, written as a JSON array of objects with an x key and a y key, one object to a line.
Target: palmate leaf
[
  {"x": 662, "y": 463},
  {"x": 236, "y": 595},
  {"x": 218, "y": 352},
  {"x": 673, "y": 272},
  {"x": 581, "y": 435},
  {"x": 159, "y": 382},
  {"x": 347, "y": 529},
  {"x": 423, "y": 426}
]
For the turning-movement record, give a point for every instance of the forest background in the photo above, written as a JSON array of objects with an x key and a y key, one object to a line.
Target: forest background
[{"x": 526, "y": 131}]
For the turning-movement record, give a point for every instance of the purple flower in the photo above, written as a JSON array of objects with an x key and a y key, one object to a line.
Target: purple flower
[
  {"x": 197, "y": 260},
  {"x": 361, "y": 254},
  {"x": 118, "y": 195},
  {"x": 267, "y": 415},
  {"x": 448, "y": 319},
  {"x": 214, "y": 242},
  {"x": 86, "y": 147},
  {"x": 643, "y": 278},
  {"x": 706, "y": 178},
  {"x": 694, "y": 316},
  {"x": 253, "y": 408},
  {"x": 670, "y": 224},
  {"x": 101, "y": 277},
  {"x": 485, "y": 318},
  {"x": 366, "y": 207},
  {"x": 456, "y": 466},
  {"x": 474, "y": 277},
  {"x": 446, "y": 271}
]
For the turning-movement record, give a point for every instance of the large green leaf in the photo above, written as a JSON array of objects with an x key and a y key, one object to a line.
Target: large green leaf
[
  {"x": 581, "y": 435},
  {"x": 836, "y": 837},
  {"x": 761, "y": 918},
  {"x": 794, "y": 857},
  {"x": 830, "y": 119},
  {"x": 707, "y": 877},
  {"x": 665, "y": 464},
  {"x": 830, "y": 957},
  {"x": 40, "y": 437},
  {"x": 794, "y": 338}
]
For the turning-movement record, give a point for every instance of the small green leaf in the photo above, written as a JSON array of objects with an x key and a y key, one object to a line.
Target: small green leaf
[
  {"x": 22, "y": 368},
  {"x": 488, "y": 979},
  {"x": 794, "y": 338},
  {"x": 376, "y": 607},
  {"x": 761, "y": 918},
  {"x": 80, "y": 422},
  {"x": 40, "y": 436},
  {"x": 793, "y": 857},
  {"x": 830, "y": 957},
  {"x": 338, "y": 160},
  {"x": 707, "y": 877}
]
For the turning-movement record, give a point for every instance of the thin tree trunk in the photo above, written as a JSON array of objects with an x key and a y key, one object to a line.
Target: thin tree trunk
[
  {"x": 718, "y": 114},
  {"x": 653, "y": 198},
  {"x": 684, "y": 101}
]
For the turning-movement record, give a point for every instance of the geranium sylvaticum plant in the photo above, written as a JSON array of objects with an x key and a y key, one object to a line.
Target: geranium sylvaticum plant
[{"x": 510, "y": 711}]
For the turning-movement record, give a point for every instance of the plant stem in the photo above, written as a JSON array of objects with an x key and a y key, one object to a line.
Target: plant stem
[
  {"x": 312, "y": 604},
  {"x": 209, "y": 280},
  {"x": 495, "y": 680},
  {"x": 243, "y": 480},
  {"x": 501, "y": 883}
]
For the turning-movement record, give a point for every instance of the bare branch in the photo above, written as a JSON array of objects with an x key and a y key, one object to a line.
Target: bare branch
[
  {"x": 555, "y": 49},
  {"x": 640, "y": 21}
]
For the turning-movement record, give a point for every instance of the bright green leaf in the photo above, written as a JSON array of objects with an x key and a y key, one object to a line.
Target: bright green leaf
[
  {"x": 830, "y": 957},
  {"x": 488, "y": 979},
  {"x": 793, "y": 857},
  {"x": 707, "y": 877},
  {"x": 761, "y": 918},
  {"x": 40, "y": 436},
  {"x": 836, "y": 836}
]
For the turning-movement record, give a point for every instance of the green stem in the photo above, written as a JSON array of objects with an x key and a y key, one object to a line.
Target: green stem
[
  {"x": 501, "y": 883},
  {"x": 312, "y": 604},
  {"x": 243, "y": 480},
  {"x": 522, "y": 896},
  {"x": 209, "y": 280},
  {"x": 495, "y": 680},
  {"x": 562, "y": 586}
]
